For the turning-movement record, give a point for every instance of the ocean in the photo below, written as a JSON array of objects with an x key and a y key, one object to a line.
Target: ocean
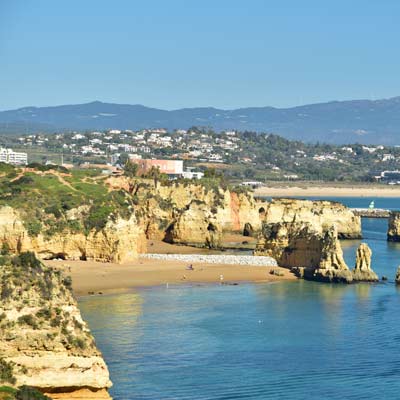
[{"x": 285, "y": 340}]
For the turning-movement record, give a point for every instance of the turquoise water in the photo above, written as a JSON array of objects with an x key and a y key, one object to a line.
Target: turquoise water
[{"x": 293, "y": 340}]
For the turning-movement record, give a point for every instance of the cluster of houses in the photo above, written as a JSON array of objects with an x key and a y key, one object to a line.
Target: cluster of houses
[{"x": 179, "y": 144}]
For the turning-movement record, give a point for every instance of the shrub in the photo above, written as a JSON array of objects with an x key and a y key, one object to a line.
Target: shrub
[
  {"x": 27, "y": 259},
  {"x": 28, "y": 319},
  {"x": 6, "y": 372},
  {"x": 33, "y": 227},
  {"x": 67, "y": 281},
  {"x": 5, "y": 249},
  {"x": 6, "y": 291},
  {"x": 53, "y": 210},
  {"x": 98, "y": 217},
  {"x": 29, "y": 393},
  {"x": 44, "y": 313}
]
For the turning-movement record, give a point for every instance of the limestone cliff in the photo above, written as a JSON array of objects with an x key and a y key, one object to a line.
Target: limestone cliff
[
  {"x": 362, "y": 270},
  {"x": 44, "y": 341},
  {"x": 118, "y": 241},
  {"x": 321, "y": 215},
  {"x": 196, "y": 226},
  {"x": 163, "y": 209},
  {"x": 393, "y": 234},
  {"x": 312, "y": 254}
]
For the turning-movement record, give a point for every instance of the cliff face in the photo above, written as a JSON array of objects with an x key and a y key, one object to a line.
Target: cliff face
[
  {"x": 393, "y": 234},
  {"x": 181, "y": 213},
  {"x": 44, "y": 341},
  {"x": 321, "y": 215},
  {"x": 312, "y": 254},
  {"x": 362, "y": 270},
  {"x": 118, "y": 241},
  {"x": 196, "y": 226}
]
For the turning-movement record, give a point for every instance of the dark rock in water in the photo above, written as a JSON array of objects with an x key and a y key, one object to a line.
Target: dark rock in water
[
  {"x": 397, "y": 279},
  {"x": 248, "y": 230},
  {"x": 362, "y": 271},
  {"x": 384, "y": 278}
]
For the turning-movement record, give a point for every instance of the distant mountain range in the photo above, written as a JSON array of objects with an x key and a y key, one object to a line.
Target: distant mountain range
[{"x": 363, "y": 121}]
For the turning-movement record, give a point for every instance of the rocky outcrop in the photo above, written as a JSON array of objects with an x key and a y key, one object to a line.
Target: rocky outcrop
[
  {"x": 118, "y": 241},
  {"x": 321, "y": 215},
  {"x": 44, "y": 342},
  {"x": 362, "y": 270},
  {"x": 162, "y": 209},
  {"x": 311, "y": 254},
  {"x": 196, "y": 226},
  {"x": 397, "y": 279},
  {"x": 393, "y": 233}
]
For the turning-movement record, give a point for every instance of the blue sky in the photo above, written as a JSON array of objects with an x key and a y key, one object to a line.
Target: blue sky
[{"x": 175, "y": 53}]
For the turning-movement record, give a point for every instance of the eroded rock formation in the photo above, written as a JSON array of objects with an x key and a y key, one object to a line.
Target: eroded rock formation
[
  {"x": 393, "y": 234},
  {"x": 44, "y": 343},
  {"x": 397, "y": 279},
  {"x": 362, "y": 270},
  {"x": 312, "y": 254},
  {"x": 196, "y": 226},
  {"x": 321, "y": 215},
  {"x": 182, "y": 213},
  {"x": 118, "y": 241}
]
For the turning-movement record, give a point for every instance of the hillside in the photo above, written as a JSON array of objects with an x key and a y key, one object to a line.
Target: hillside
[{"x": 363, "y": 121}]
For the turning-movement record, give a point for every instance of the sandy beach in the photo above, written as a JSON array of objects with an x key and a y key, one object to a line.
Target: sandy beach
[
  {"x": 89, "y": 276},
  {"x": 329, "y": 191}
]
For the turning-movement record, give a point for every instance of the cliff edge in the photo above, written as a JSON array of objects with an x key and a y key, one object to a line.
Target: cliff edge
[{"x": 44, "y": 342}]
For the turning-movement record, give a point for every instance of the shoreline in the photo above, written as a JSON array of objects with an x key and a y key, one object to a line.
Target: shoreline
[
  {"x": 327, "y": 191},
  {"x": 91, "y": 277}
]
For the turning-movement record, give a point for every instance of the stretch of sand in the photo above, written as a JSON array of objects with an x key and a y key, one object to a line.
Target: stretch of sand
[
  {"x": 90, "y": 276},
  {"x": 322, "y": 191}
]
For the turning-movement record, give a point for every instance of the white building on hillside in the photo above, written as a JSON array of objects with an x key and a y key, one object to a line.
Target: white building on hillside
[
  {"x": 191, "y": 174},
  {"x": 9, "y": 156}
]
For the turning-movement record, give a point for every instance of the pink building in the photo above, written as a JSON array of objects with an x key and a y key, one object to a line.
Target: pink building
[{"x": 169, "y": 167}]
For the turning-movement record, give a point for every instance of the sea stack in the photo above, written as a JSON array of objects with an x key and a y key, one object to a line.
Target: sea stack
[
  {"x": 44, "y": 342},
  {"x": 309, "y": 253},
  {"x": 393, "y": 233},
  {"x": 362, "y": 270},
  {"x": 397, "y": 279}
]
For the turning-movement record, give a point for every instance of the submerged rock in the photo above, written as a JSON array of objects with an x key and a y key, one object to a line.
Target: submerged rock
[
  {"x": 311, "y": 254},
  {"x": 362, "y": 270},
  {"x": 44, "y": 342},
  {"x": 393, "y": 233}
]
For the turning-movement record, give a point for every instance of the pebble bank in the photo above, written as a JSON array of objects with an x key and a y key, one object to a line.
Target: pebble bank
[{"x": 260, "y": 261}]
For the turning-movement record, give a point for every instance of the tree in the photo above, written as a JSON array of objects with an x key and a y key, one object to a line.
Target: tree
[
  {"x": 130, "y": 169},
  {"x": 156, "y": 174}
]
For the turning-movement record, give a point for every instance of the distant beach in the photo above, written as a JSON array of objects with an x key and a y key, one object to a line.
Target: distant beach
[{"x": 329, "y": 191}]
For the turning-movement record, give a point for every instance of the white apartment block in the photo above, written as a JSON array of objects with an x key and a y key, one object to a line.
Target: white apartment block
[{"x": 9, "y": 156}]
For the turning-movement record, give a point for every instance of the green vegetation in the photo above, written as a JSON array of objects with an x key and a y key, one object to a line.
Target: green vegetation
[
  {"x": 6, "y": 372},
  {"x": 53, "y": 195},
  {"x": 23, "y": 393},
  {"x": 130, "y": 169}
]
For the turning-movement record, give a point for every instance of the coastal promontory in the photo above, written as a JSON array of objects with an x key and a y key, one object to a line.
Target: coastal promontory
[{"x": 45, "y": 343}]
